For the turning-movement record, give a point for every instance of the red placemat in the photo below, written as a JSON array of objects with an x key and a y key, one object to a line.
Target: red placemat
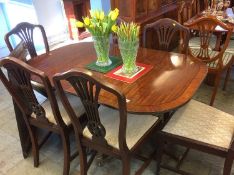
[{"x": 118, "y": 75}]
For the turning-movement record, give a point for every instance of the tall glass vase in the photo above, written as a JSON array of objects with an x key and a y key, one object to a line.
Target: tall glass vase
[
  {"x": 128, "y": 51},
  {"x": 102, "y": 47}
]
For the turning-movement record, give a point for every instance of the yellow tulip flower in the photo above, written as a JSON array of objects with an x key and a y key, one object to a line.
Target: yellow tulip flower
[
  {"x": 97, "y": 14},
  {"x": 114, "y": 16},
  {"x": 116, "y": 11},
  {"x": 102, "y": 15},
  {"x": 87, "y": 21},
  {"x": 110, "y": 13},
  {"x": 79, "y": 24},
  {"x": 114, "y": 28}
]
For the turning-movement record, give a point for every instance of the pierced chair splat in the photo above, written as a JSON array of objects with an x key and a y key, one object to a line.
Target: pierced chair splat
[
  {"x": 166, "y": 30},
  {"x": 25, "y": 31}
]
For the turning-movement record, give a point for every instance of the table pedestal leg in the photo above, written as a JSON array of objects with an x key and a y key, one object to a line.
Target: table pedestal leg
[{"x": 218, "y": 41}]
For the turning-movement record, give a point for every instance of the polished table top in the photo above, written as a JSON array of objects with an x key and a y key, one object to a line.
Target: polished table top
[{"x": 171, "y": 83}]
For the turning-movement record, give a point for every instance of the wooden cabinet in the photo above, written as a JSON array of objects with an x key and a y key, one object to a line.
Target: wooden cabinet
[
  {"x": 142, "y": 10},
  {"x": 147, "y": 11}
]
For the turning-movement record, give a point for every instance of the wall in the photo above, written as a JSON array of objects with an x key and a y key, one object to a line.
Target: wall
[
  {"x": 3, "y": 30},
  {"x": 50, "y": 14}
]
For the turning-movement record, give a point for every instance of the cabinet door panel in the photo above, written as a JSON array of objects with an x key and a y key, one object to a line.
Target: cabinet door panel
[
  {"x": 125, "y": 8},
  {"x": 153, "y": 5},
  {"x": 141, "y": 8}
]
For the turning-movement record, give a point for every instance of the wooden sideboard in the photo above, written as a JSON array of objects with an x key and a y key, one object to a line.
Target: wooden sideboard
[{"x": 147, "y": 11}]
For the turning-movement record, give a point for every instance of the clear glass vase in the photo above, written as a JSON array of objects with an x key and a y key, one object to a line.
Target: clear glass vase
[
  {"x": 128, "y": 51},
  {"x": 102, "y": 47}
]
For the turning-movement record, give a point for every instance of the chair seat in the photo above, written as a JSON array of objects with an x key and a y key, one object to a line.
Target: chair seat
[
  {"x": 227, "y": 57},
  {"x": 230, "y": 48},
  {"x": 74, "y": 101},
  {"x": 137, "y": 126},
  {"x": 203, "y": 123}
]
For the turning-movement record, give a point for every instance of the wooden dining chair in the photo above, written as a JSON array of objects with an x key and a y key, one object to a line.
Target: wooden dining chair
[
  {"x": 25, "y": 31},
  {"x": 200, "y": 127},
  {"x": 108, "y": 131},
  {"x": 49, "y": 115},
  {"x": 217, "y": 61},
  {"x": 166, "y": 31}
]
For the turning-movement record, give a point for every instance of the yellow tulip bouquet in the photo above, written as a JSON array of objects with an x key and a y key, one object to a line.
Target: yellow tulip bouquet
[
  {"x": 100, "y": 26},
  {"x": 128, "y": 39}
]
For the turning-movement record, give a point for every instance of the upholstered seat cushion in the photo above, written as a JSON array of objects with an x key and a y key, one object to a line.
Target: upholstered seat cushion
[
  {"x": 227, "y": 57},
  {"x": 200, "y": 122},
  {"x": 230, "y": 48},
  {"x": 137, "y": 126},
  {"x": 75, "y": 102}
]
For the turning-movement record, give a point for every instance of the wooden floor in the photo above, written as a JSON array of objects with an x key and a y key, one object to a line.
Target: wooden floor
[{"x": 51, "y": 155}]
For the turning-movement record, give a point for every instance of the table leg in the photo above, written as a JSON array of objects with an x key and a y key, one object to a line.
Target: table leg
[
  {"x": 218, "y": 41},
  {"x": 23, "y": 131}
]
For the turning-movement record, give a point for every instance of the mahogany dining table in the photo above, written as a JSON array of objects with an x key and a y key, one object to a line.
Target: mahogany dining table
[{"x": 170, "y": 84}]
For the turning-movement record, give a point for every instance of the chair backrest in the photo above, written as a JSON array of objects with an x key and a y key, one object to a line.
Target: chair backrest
[
  {"x": 18, "y": 83},
  {"x": 89, "y": 90},
  {"x": 206, "y": 28},
  {"x": 166, "y": 30},
  {"x": 25, "y": 32},
  {"x": 20, "y": 52}
]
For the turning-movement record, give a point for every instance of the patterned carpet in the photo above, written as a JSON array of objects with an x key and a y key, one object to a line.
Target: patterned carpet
[{"x": 51, "y": 155}]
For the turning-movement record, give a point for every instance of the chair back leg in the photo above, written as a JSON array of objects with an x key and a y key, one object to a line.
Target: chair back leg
[
  {"x": 160, "y": 145},
  {"x": 227, "y": 77},
  {"x": 228, "y": 165},
  {"x": 66, "y": 152},
  {"x": 83, "y": 160},
  {"x": 35, "y": 145}
]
